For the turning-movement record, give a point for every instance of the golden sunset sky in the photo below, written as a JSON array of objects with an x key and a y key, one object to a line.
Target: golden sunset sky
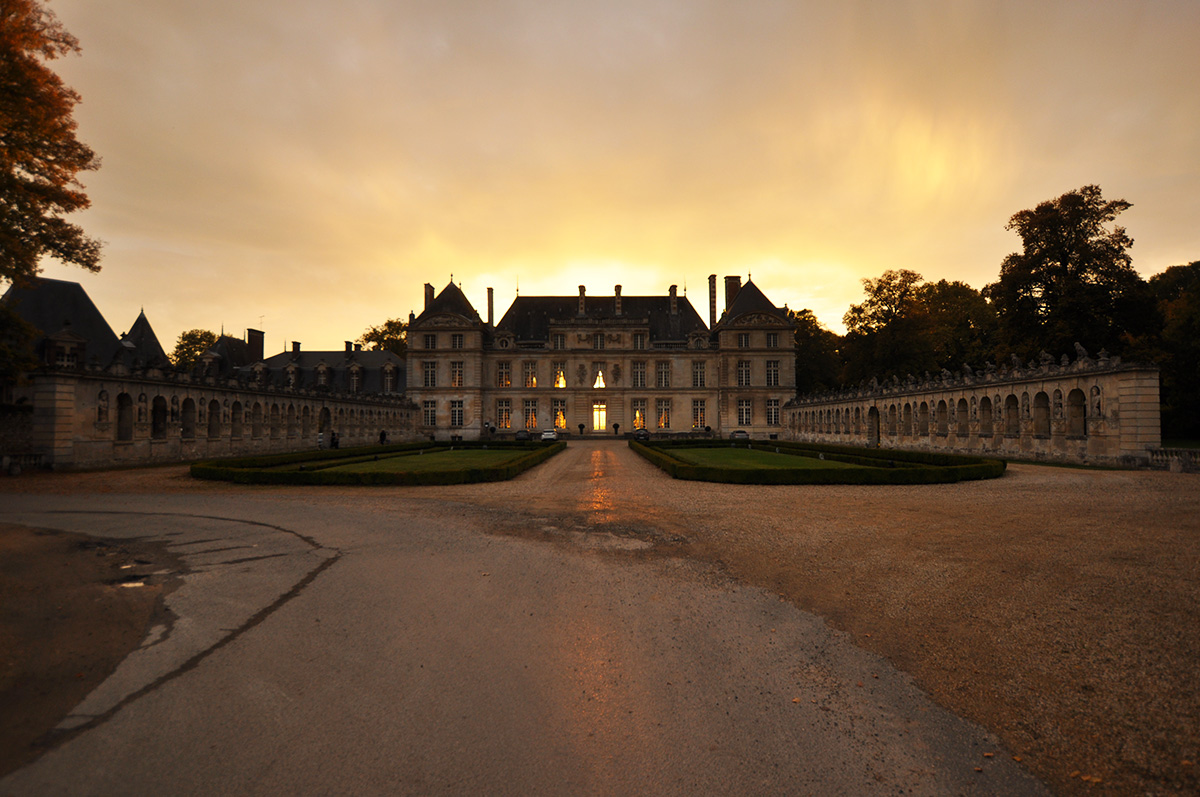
[{"x": 305, "y": 166}]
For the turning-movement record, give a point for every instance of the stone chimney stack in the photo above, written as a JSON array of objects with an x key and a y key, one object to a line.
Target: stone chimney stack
[
  {"x": 732, "y": 286},
  {"x": 254, "y": 341},
  {"x": 712, "y": 300},
  {"x": 428, "y": 295},
  {"x": 582, "y": 293},
  {"x": 617, "y": 300},
  {"x": 349, "y": 345},
  {"x": 674, "y": 299},
  {"x": 295, "y": 347},
  {"x": 491, "y": 305}
]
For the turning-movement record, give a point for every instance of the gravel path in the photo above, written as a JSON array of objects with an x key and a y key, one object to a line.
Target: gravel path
[{"x": 1059, "y": 608}]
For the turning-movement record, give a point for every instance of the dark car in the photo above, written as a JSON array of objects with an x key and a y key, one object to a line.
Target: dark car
[
  {"x": 739, "y": 434},
  {"x": 523, "y": 435},
  {"x": 641, "y": 435}
]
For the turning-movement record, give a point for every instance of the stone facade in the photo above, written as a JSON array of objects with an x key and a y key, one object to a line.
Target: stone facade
[
  {"x": 601, "y": 365},
  {"x": 1090, "y": 410}
]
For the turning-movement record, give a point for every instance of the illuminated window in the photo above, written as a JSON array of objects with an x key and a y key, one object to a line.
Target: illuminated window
[
  {"x": 456, "y": 340},
  {"x": 662, "y": 409},
  {"x": 456, "y": 374},
  {"x": 429, "y": 412},
  {"x": 772, "y": 340},
  {"x": 431, "y": 341},
  {"x": 598, "y": 370},
  {"x": 560, "y": 341},
  {"x": 429, "y": 369},
  {"x": 698, "y": 413},
  {"x": 743, "y": 373},
  {"x": 503, "y": 374},
  {"x": 772, "y": 373},
  {"x": 698, "y": 373},
  {"x": 743, "y": 412},
  {"x": 639, "y": 340},
  {"x": 743, "y": 340},
  {"x": 558, "y": 409},
  {"x": 503, "y": 414},
  {"x": 599, "y": 416},
  {"x": 639, "y": 374},
  {"x": 662, "y": 373},
  {"x": 530, "y": 374},
  {"x": 560, "y": 374},
  {"x": 530, "y": 413},
  {"x": 772, "y": 412},
  {"x": 639, "y": 413},
  {"x": 598, "y": 340},
  {"x": 456, "y": 413}
]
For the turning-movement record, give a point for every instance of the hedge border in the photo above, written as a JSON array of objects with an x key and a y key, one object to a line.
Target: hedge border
[
  {"x": 876, "y": 466},
  {"x": 258, "y": 470}
]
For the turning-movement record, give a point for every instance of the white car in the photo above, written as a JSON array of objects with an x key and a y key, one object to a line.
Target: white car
[{"x": 549, "y": 434}]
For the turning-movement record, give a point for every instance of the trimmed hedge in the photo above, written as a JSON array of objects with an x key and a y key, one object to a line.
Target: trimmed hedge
[
  {"x": 877, "y": 467},
  {"x": 267, "y": 470}
]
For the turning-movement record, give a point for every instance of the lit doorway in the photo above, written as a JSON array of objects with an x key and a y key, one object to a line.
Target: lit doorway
[{"x": 599, "y": 416}]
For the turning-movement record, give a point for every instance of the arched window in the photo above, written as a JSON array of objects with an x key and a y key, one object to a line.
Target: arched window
[
  {"x": 275, "y": 422},
  {"x": 923, "y": 420},
  {"x": 964, "y": 417},
  {"x": 235, "y": 421},
  {"x": 1076, "y": 414},
  {"x": 158, "y": 418},
  {"x": 256, "y": 421},
  {"x": 188, "y": 419},
  {"x": 986, "y": 427},
  {"x": 214, "y": 419},
  {"x": 1012, "y": 416},
  {"x": 906, "y": 425},
  {"x": 1041, "y": 415},
  {"x": 124, "y": 417},
  {"x": 291, "y": 421},
  {"x": 305, "y": 422},
  {"x": 943, "y": 419}
]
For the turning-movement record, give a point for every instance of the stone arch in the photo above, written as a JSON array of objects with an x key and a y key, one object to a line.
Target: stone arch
[
  {"x": 923, "y": 419},
  {"x": 986, "y": 427},
  {"x": 891, "y": 420},
  {"x": 963, "y": 427},
  {"x": 256, "y": 421},
  {"x": 1041, "y": 414},
  {"x": 275, "y": 422},
  {"x": 906, "y": 425},
  {"x": 214, "y": 419},
  {"x": 305, "y": 422},
  {"x": 873, "y": 426},
  {"x": 188, "y": 419},
  {"x": 1012, "y": 416},
  {"x": 158, "y": 418},
  {"x": 236, "y": 419},
  {"x": 291, "y": 421},
  {"x": 858, "y": 421},
  {"x": 325, "y": 425},
  {"x": 1076, "y": 414},
  {"x": 124, "y": 416},
  {"x": 943, "y": 418}
]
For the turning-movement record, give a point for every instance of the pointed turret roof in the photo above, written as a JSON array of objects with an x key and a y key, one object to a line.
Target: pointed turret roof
[
  {"x": 49, "y": 305},
  {"x": 751, "y": 300},
  {"x": 141, "y": 342},
  {"x": 450, "y": 300}
]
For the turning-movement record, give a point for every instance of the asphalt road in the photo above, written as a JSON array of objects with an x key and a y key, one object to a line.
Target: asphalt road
[{"x": 539, "y": 637}]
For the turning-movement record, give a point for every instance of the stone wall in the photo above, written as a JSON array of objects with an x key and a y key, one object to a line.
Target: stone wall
[
  {"x": 87, "y": 419},
  {"x": 1099, "y": 411}
]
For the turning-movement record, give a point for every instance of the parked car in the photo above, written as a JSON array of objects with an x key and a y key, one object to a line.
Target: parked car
[
  {"x": 641, "y": 435},
  {"x": 549, "y": 434},
  {"x": 522, "y": 434},
  {"x": 739, "y": 434}
]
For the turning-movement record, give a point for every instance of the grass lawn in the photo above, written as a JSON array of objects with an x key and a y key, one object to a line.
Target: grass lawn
[
  {"x": 749, "y": 459},
  {"x": 439, "y": 460}
]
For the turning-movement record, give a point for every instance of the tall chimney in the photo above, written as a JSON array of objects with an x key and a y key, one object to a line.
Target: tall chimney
[
  {"x": 254, "y": 341},
  {"x": 712, "y": 300},
  {"x": 490, "y": 305},
  {"x": 617, "y": 300},
  {"x": 674, "y": 299},
  {"x": 295, "y": 347},
  {"x": 582, "y": 293},
  {"x": 428, "y": 295},
  {"x": 349, "y": 345},
  {"x": 732, "y": 286}
]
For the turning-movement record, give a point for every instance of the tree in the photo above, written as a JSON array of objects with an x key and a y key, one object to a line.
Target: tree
[
  {"x": 818, "y": 363},
  {"x": 1074, "y": 279},
  {"x": 191, "y": 347},
  {"x": 1177, "y": 291},
  {"x": 889, "y": 333},
  {"x": 962, "y": 324},
  {"x": 39, "y": 153},
  {"x": 391, "y": 335}
]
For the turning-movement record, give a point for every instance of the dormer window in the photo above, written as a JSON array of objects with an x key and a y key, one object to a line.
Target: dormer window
[
  {"x": 355, "y": 379},
  {"x": 322, "y": 376},
  {"x": 598, "y": 340}
]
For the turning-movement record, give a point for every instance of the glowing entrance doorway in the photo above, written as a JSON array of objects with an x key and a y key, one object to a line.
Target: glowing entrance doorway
[{"x": 599, "y": 416}]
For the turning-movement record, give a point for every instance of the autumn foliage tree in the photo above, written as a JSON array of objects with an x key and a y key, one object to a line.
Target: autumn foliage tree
[
  {"x": 191, "y": 346},
  {"x": 391, "y": 335},
  {"x": 40, "y": 157}
]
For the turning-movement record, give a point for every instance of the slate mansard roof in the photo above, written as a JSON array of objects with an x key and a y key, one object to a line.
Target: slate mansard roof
[
  {"x": 530, "y": 317},
  {"x": 338, "y": 365},
  {"x": 751, "y": 300}
]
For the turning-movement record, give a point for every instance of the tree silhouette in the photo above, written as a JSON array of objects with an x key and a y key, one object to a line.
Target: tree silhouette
[{"x": 39, "y": 153}]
